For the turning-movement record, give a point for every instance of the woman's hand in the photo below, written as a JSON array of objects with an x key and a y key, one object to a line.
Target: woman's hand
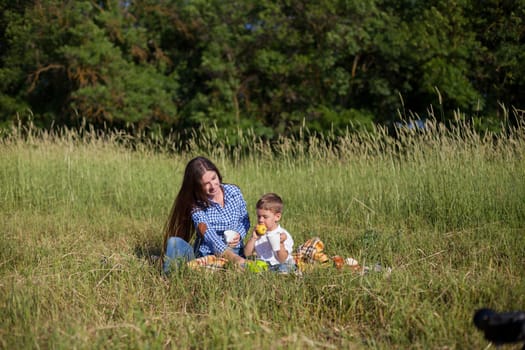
[
  {"x": 231, "y": 256},
  {"x": 235, "y": 241}
]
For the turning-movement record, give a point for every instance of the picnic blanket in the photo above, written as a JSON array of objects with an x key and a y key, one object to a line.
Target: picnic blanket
[
  {"x": 307, "y": 256},
  {"x": 209, "y": 261}
]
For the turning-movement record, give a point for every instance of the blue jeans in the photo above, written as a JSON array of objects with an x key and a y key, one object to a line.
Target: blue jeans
[
  {"x": 177, "y": 251},
  {"x": 283, "y": 268}
]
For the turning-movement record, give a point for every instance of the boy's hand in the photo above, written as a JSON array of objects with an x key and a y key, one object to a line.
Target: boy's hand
[{"x": 255, "y": 235}]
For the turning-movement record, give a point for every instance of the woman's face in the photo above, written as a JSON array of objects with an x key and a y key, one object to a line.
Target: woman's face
[{"x": 211, "y": 185}]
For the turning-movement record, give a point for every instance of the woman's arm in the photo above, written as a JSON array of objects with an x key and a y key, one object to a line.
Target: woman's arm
[
  {"x": 241, "y": 208},
  {"x": 245, "y": 218},
  {"x": 232, "y": 257},
  {"x": 212, "y": 240}
]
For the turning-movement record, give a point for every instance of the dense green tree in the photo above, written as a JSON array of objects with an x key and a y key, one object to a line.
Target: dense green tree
[
  {"x": 11, "y": 99},
  {"x": 499, "y": 72},
  {"x": 272, "y": 66},
  {"x": 78, "y": 60},
  {"x": 437, "y": 59}
]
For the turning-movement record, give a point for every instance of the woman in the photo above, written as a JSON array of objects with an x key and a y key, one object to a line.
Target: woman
[{"x": 207, "y": 206}]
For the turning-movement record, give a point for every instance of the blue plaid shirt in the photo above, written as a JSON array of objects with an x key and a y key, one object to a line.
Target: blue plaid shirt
[{"x": 233, "y": 216}]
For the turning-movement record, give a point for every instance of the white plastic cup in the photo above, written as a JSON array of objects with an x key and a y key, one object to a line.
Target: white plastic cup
[
  {"x": 275, "y": 241},
  {"x": 229, "y": 235}
]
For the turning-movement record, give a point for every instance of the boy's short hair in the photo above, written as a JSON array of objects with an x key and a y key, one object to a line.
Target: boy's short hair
[{"x": 270, "y": 201}]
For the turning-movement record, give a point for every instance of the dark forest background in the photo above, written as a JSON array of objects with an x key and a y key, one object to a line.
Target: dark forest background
[{"x": 272, "y": 66}]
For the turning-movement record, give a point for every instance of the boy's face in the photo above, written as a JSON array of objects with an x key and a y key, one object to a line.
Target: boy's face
[{"x": 269, "y": 218}]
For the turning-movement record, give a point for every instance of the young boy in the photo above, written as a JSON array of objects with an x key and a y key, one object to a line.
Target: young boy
[{"x": 269, "y": 211}]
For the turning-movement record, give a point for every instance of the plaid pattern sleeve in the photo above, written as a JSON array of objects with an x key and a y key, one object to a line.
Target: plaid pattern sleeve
[{"x": 233, "y": 216}]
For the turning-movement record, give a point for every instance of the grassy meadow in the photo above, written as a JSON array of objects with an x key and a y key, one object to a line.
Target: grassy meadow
[{"x": 82, "y": 212}]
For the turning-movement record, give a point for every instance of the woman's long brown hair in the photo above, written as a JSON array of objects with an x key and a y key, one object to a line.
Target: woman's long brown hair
[{"x": 191, "y": 195}]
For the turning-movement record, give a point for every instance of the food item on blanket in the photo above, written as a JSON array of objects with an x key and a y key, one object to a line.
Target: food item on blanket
[
  {"x": 311, "y": 254},
  {"x": 353, "y": 265},
  {"x": 338, "y": 262},
  {"x": 351, "y": 262},
  {"x": 345, "y": 263},
  {"x": 260, "y": 229},
  {"x": 256, "y": 265},
  {"x": 321, "y": 258},
  {"x": 209, "y": 261}
]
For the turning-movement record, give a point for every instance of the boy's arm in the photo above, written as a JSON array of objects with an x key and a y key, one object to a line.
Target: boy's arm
[
  {"x": 282, "y": 253},
  {"x": 249, "y": 248}
]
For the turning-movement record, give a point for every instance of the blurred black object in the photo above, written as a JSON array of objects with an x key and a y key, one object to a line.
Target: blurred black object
[{"x": 501, "y": 327}]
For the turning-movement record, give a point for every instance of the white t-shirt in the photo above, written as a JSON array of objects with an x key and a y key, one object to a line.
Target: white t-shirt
[{"x": 264, "y": 249}]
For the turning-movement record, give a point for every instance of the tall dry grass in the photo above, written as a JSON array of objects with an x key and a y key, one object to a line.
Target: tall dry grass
[{"x": 82, "y": 210}]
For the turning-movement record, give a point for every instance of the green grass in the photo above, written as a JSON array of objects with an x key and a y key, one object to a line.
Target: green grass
[{"x": 82, "y": 211}]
